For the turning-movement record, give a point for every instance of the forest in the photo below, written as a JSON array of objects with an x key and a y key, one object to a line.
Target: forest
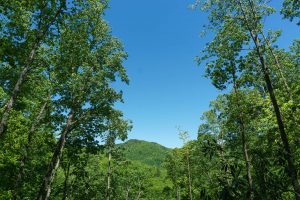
[{"x": 60, "y": 129}]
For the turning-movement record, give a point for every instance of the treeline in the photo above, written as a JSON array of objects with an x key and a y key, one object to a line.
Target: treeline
[
  {"x": 248, "y": 143},
  {"x": 58, "y": 62}
]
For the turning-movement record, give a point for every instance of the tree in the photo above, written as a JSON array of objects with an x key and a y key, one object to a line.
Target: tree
[
  {"x": 88, "y": 59},
  {"x": 184, "y": 136},
  {"x": 249, "y": 21}
]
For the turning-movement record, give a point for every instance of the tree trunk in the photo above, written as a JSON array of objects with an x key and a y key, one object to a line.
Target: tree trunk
[
  {"x": 291, "y": 168},
  {"x": 279, "y": 67},
  {"x": 45, "y": 188},
  {"x": 24, "y": 158},
  {"x": 292, "y": 171},
  {"x": 243, "y": 138},
  {"x": 23, "y": 75},
  {"x": 15, "y": 93},
  {"x": 247, "y": 160}
]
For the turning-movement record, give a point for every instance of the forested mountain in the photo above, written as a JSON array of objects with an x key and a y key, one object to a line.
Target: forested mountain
[
  {"x": 59, "y": 122},
  {"x": 149, "y": 153}
]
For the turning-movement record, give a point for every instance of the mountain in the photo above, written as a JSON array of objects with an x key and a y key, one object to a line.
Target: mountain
[{"x": 149, "y": 153}]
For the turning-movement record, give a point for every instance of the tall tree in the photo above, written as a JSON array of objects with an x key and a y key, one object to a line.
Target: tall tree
[
  {"x": 223, "y": 71},
  {"x": 184, "y": 136},
  {"x": 247, "y": 16},
  {"x": 89, "y": 59}
]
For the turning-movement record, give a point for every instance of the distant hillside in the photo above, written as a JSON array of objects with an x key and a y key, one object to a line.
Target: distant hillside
[{"x": 146, "y": 152}]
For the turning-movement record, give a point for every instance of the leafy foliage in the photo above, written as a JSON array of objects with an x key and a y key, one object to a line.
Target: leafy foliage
[{"x": 149, "y": 153}]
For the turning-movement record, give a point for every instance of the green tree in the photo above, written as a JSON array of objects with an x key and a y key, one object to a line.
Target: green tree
[
  {"x": 247, "y": 18},
  {"x": 88, "y": 60}
]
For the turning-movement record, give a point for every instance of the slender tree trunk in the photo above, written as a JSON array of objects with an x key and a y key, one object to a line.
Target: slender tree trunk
[
  {"x": 291, "y": 168},
  {"x": 247, "y": 160},
  {"x": 22, "y": 76},
  {"x": 15, "y": 92},
  {"x": 292, "y": 171},
  {"x": 278, "y": 65},
  {"x": 243, "y": 139},
  {"x": 279, "y": 68},
  {"x": 45, "y": 188},
  {"x": 24, "y": 158}
]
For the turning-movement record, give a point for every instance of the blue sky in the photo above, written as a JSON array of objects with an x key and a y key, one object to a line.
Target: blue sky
[{"x": 167, "y": 89}]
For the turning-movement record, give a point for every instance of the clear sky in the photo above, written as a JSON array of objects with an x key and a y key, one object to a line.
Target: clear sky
[{"x": 167, "y": 89}]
